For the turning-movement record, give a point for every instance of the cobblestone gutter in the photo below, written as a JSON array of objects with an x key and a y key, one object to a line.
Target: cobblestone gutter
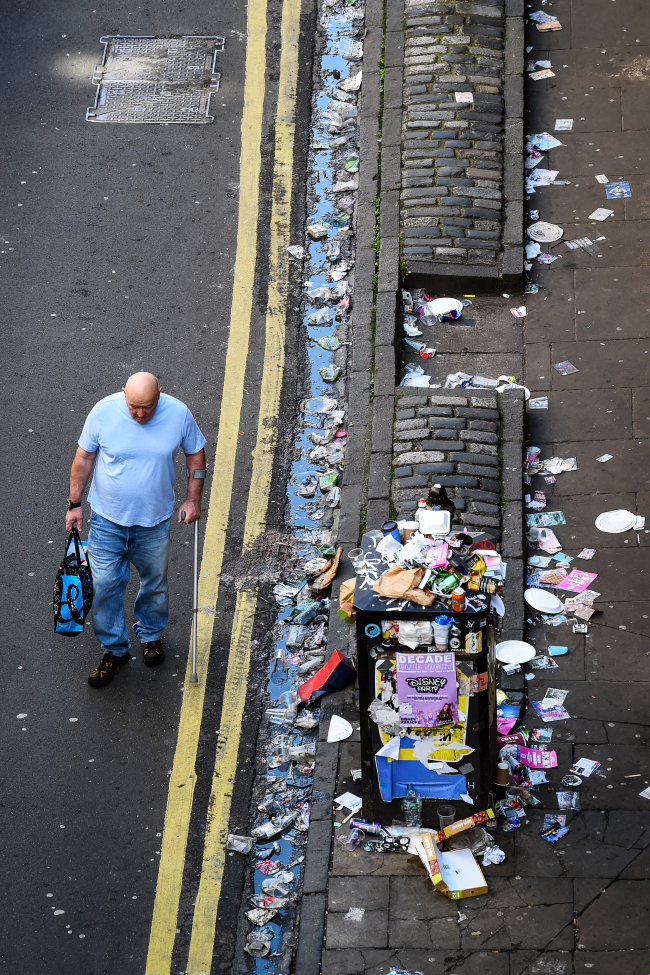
[{"x": 462, "y": 183}]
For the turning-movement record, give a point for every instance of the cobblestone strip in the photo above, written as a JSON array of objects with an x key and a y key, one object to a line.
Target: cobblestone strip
[{"x": 461, "y": 166}]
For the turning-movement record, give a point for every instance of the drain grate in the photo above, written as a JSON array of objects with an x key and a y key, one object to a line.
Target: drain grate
[{"x": 156, "y": 79}]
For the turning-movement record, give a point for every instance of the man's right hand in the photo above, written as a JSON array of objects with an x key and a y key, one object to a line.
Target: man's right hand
[{"x": 74, "y": 519}]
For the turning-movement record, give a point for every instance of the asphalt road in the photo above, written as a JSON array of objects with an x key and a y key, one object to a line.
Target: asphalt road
[{"x": 118, "y": 246}]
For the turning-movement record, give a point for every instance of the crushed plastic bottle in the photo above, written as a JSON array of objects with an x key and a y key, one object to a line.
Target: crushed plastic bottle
[
  {"x": 273, "y": 827},
  {"x": 321, "y": 317},
  {"x": 352, "y": 163}
]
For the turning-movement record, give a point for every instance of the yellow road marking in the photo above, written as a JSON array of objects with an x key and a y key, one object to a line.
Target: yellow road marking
[
  {"x": 234, "y": 697},
  {"x": 183, "y": 778}
]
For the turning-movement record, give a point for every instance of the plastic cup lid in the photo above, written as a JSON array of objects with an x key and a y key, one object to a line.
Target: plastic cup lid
[{"x": 544, "y": 233}]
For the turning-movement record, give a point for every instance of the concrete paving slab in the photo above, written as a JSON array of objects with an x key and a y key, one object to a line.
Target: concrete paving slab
[
  {"x": 345, "y": 961},
  {"x": 597, "y": 32},
  {"x": 370, "y": 931},
  {"x": 415, "y": 898},
  {"x": 619, "y": 919},
  {"x": 582, "y": 511},
  {"x": 612, "y": 962},
  {"x": 475, "y": 963},
  {"x": 602, "y": 364},
  {"x": 571, "y": 212},
  {"x": 589, "y": 153},
  {"x": 639, "y": 869},
  {"x": 625, "y": 474},
  {"x": 347, "y": 892},
  {"x": 588, "y": 70},
  {"x": 611, "y": 701},
  {"x": 528, "y": 927},
  {"x": 534, "y": 857},
  {"x": 586, "y": 890},
  {"x": 546, "y": 106},
  {"x": 641, "y": 411},
  {"x": 615, "y": 302},
  {"x": 495, "y": 331},
  {"x": 629, "y": 829},
  {"x": 572, "y": 415},
  {"x": 379, "y": 961},
  {"x": 624, "y": 655},
  {"x": 582, "y": 730},
  {"x": 540, "y": 963}
]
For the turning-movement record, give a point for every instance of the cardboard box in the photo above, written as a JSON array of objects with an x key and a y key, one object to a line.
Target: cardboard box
[{"x": 455, "y": 874}]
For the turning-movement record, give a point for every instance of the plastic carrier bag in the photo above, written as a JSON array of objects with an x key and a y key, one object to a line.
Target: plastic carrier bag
[{"x": 73, "y": 589}]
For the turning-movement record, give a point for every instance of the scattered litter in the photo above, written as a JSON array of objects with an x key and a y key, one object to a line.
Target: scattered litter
[
  {"x": 618, "y": 190},
  {"x": 604, "y": 458},
  {"x": 339, "y": 729},
  {"x": 240, "y": 844},
  {"x": 584, "y": 767},
  {"x": 295, "y": 250},
  {"x": 538, "y": 403},
  {"x": 565, "y": 368},
  {"x": 600, "y": 214},
  {"x": 602, "y": 179},
  {"x": 563, "y": 124},
  {"x": 519, "y": 312},
  {"x": 587, "y": 553},
  {"x": 465, "y": 97},
  {"x": 355, "y": 914},
  {"x": 538, "y": 75}
]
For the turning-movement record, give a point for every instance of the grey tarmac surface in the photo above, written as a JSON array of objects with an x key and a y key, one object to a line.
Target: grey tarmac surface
[{"x": 118, "y": 246}]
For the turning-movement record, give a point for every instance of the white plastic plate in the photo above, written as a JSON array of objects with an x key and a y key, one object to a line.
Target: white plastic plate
[
  {"x": 515, "y": 652},
  {"x": 615, "y": 521},
  {"x": 543, "y": 601}
]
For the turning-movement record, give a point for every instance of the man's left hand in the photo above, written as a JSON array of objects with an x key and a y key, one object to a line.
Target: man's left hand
[{"x": 192, "y": 511}]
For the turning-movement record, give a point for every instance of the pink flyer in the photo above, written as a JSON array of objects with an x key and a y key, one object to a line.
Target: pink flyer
[
  {"x": 534, "y": 758},
  {"x": 577, "y": 580},
  {"x": 426, "y": 689}
]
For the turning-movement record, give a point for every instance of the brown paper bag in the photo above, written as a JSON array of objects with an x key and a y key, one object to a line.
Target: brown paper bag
[{"x": 398, "y": 583}]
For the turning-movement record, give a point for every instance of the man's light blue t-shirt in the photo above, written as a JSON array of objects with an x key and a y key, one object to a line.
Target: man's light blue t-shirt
[{"x": 133, "y": 482}]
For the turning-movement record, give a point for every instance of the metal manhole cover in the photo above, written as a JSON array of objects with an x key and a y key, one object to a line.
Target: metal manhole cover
[{"x": 156, "y": 79}]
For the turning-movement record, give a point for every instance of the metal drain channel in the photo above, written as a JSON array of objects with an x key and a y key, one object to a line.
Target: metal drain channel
[{"x": 166, "y": 80}]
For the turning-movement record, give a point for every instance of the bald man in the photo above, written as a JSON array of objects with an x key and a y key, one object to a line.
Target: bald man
[{"x": 132, "y": 438}]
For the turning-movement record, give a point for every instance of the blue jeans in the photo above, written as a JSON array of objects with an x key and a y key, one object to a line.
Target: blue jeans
[{"x": 111, "y": 548}]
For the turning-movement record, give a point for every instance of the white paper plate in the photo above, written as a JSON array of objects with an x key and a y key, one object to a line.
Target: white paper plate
[
  {"x": 543, "y": 232},
  {"x": 543, "y": 600},
  {"x": 615, "y": 521},
  {"x": 515, "y": 652}
]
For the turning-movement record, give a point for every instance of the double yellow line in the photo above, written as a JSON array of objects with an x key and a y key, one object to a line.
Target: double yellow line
[{"x": 183, "y": 778}]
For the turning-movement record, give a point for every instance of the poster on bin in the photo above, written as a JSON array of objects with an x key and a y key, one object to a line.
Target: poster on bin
[{"x": 426, "y": 689}]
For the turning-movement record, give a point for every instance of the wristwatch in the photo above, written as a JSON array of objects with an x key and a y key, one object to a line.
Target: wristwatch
[{"x": 72, "y": 504}]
